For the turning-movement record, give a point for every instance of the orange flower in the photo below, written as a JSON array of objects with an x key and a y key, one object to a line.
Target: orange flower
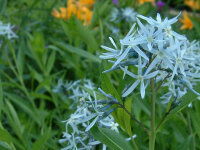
[
  {"x": 55, "y": 13},
  {"x": 62, "y": 14},
  {"x": 187, "y": 23},
  {"x": 144, "y": 1},
  {"x": 193, "y": 4},
  {"x": 81, "y": 9},
  {"x": 63, "y": 11},
  {"x": 87, "y": 16},
  {"x": 87, "y": 2},
  {"x": 71, "y": 9}
]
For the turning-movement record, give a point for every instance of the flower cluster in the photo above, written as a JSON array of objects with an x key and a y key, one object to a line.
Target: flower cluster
[
  {"x": 79, "y": 8},
  {"x": 6, "y": 30},
  {"x": 123, "y": 14},
  {"x": 88, "y": 112},
  {"x": 127, "y": 15},
  {"x": 155, "y": 51}
]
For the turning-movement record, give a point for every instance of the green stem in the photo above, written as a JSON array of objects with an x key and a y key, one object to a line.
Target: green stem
[
  {"x": 134, "y": 143},
  {"x": 122, "y": 106},
  {"x": 163, "y": 119},
  {"x": 152, "y": 135}
]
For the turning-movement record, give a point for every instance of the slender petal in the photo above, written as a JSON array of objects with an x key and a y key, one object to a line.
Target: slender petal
[
  {"x": 122, "y": 57},
  {"x": 133, "y": 86},
  {"x": 142, "y": 89}
]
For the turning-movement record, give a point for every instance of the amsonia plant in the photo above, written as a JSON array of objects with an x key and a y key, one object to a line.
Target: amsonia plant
[{"x": 152, "y": 56}]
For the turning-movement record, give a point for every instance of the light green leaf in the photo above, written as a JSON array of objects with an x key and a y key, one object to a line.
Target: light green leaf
[
  {"x": 78, "y": 51},
  {"x": 126, "y": 116},
  {"x": 110, "y": 138},
  {"x": 51, "y": 61},
  {"x": 5, "y": 136},
  {"x": 108, "y": 87},
  {"x": 6, "y": 146}
]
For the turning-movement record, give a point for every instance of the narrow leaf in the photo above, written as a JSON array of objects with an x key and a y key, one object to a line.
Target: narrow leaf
[
  {"x": 78, "y": 51},
  {"x": 110, "y": 138}
]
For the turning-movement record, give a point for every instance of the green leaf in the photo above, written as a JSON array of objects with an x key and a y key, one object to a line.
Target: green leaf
[
  {"x": 36, "y": 45},
  {"x": 186, "y": 99},
  {"x": 196, "y": 24},
  {"x": 3, "y": 4},
  {"x": 127, "y": 117},
  {"x": 78, "y": 51},
  {"x": 13, "y": 120},
  {"x": 1, "y": 97},
  {"x": 66, "y": 30},
  {"x": 86, "y": 36},
  {"x": 6, "y": 146},
  {"x": 196, "y": 122},
  {"x": 24, "y": 106},
  {"x": 100, "y": 9},
  {"x": 110, "y": 138},
  {"x": 20, "y": 58},
  {"x": 185, "y": 144},
  {"x": 40, "y": 143},
  {"x": 108, "y": 87},
  {"x": 5, "y": 136},
  {"x": 51, "y": 61}
]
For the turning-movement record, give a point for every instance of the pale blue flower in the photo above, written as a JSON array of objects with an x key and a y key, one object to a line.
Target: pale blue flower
[{"x": 139, "y": 79}]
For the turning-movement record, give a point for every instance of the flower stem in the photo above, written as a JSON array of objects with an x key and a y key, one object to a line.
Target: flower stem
[
  {"x": 123, "y": 107},
  {"x": 152, "y": 135}
]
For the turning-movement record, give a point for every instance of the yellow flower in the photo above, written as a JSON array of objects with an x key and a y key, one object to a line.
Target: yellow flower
[
  {"x": 143, "y": 1},
  {"x": 187, "y": 23},
  {"x": 79, "y": 8},
  {"x": 193, "y": 4}
]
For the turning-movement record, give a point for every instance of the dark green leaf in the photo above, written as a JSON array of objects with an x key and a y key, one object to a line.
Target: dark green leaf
[
  {"x": 1, "y": 97},
  {"x": 3, "y": 4},
  {"x": 40, "y": 143}
]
